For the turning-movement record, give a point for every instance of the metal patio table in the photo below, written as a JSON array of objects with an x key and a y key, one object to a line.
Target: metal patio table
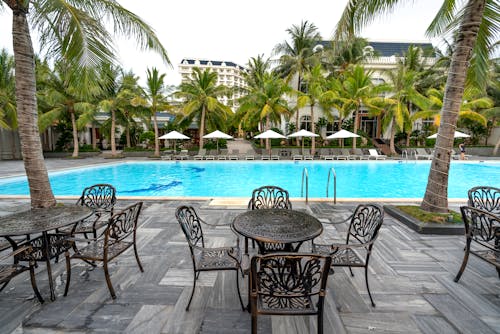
[
  {"x": 37, "y": 223},
  {"x": 281, "y": 226}
]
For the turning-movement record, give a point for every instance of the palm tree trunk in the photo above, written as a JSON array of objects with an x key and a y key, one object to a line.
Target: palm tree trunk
[
  {"x": 94, "y": 137},
  {"x": 75, "y": 135},
  {"x": 297, "y": 125},
  {"x": 436, "y": 193},
  {"x": 268, "y": 127},
  {"x": 355, "y": 129},
  {"x": 112, "y": 134},
  {"x": 393, "y": 135},
  {"x": 202, "y": 127},
  {"x": 31, "y": 147},
  {"x": 157, "y": 141},
  {"x": 313, "y": 130}
]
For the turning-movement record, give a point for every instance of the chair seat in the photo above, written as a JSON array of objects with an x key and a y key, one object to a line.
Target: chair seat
[
  {"x": 87, "y": 225},
  {"x": 210, "y": 259},
  {"x": 343, "y": 257},
  {"x": 95, "y": 250},
  {"x": 284, "y": 305},
  {"x": 8, "y": 271}
]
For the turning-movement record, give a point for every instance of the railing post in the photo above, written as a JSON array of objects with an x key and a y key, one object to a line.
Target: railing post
[
  {"x": 332, "y": 170},
  {"x": 304, "y": 172}
]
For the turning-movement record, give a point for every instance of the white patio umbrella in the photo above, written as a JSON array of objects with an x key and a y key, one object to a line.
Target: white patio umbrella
[
  {"x": 457, "y": 134},
  {"x": 269, "y": 134},
  {"x": 342, "y": 134},
  {"x": 217, "y": 135},
  {"x": 173, "y": 135},
  {"x": 303, "y": 133}
]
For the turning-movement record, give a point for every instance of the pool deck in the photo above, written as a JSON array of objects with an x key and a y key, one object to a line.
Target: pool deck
[{"x": 411, "y": 279}]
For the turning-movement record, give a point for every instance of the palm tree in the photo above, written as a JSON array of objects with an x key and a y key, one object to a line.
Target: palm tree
[
  {"x": 265, "y": 102},
  {"x": 474, "y": 102},
  {"x": 65, "y": 96},
  {"x": 359, "y": 91},
  {"x": 8, "y": 119},
  {"x": 76, "y": 32},
  {"x": 317, "y": 93},
  {"x": 476, "y": 24},
  {"x": 298, "y": 56},
  {"x": 200, "y": 100}
]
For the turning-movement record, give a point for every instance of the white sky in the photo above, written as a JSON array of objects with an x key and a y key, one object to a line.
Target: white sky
[{"x": 236, "y": 30}]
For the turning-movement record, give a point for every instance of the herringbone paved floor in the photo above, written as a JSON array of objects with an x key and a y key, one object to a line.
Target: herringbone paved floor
[{"x": 411, "y": 278}]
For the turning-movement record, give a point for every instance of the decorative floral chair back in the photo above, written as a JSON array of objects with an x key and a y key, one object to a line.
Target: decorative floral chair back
[
  {"x": 288, "y": 284},
  {"x": 99, "y": 197},
  {"x": 270, "y": 197},
  {"x": 365, "y": 223},
  {"x": 190, "y": 225},
  {"x": 485, "y": 198}
]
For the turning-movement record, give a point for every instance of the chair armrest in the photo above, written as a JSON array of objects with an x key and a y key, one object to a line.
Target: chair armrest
[{"x": 16, "y": 252}]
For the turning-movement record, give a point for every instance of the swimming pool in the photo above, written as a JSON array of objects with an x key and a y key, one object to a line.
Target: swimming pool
[{"x": 355, "y": 179}]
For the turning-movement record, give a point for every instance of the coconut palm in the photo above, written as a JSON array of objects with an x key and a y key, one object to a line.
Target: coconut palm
[
  {"x": 476, "y": 24},
  {"x": 265, "y": 102},
  {"x": 156, "y": 100},
  {"x": 8, "y": 116},
  {"x": 359, "y": 92},
  {"x": 473, "y": 103},
  {"x": 200, "y": 101},
  {"x": 77, "y": 32},
  {"x": 317, "y": 93},
  {"x": 298, "y": 55},
  {"x": 65, "y": 96}
]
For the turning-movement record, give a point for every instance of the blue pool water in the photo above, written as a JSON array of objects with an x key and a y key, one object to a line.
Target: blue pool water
[{"x": 377, "y": 179}]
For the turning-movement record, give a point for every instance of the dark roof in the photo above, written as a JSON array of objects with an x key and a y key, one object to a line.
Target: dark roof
[
  {"x": 387, "y": 49},
  {"x": 214, "y": 62}
]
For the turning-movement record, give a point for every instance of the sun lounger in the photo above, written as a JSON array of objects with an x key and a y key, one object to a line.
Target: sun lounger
[
  {"x": 422, "y": 153},
  {"x": 328, "y": 157},
  {"x": 275, "y": 157},
  {"x": 183, "y": 155},
  {"x": 201, "y": 154},
  {"x": 234, "y": 155},
  {"x": 166, "y": 157},
  {"x": 297, "y": 157},
  {"x": 374, "y": 154},
  {"x": 308, "y": 157},
  {"x": 345, "y": 152},
  {"x": 359, "y": 153},
  {"x": 250, "y": 155}
]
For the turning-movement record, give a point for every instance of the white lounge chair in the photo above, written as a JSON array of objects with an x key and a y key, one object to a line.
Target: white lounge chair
[
  {"x": 374, "y": 154},
  {"x": 422, "y": 153},
  {"x": 297, "y": 157}
]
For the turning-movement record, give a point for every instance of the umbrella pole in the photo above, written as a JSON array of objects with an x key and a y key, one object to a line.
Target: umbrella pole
[{"x": 302, "y": 145}]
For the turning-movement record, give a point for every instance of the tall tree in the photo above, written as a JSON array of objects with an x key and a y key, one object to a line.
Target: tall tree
[
  {"x": 8, "y": 115},
  {"x": 359, "y": 92},
  {"x": 298, "y": 55},
  {"x": 155, "y": 95},
  {"x": 76, "y": 32},
  {"x": 200, "y": 101},
  {"x": 476, "y": 24},
  {"x": 265, "y": 102}
]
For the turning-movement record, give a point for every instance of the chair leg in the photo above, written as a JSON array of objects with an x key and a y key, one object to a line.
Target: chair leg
[
  {"x": 254, "y": 323},
  {"x": 320, "y": 322},
  {"x": 33, "y": 283},
  {"x": 137, "y": 258},
  {"x": 238, "y": 289},
  {"x": 368, "y": 286},
  {"x": 350, "y": 269},
  {"x": 4, "y": 285},
  {"x": 195, "y": 276},
  {"x": 464, "y": 261},
  {"x": 108, "y": 280},
  {"x": 68, "y": 272}
]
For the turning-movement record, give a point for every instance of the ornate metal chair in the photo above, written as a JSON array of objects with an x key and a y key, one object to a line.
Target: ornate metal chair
[
  {"x": 205, "y": 258},
  {"x": 269, "y": 197},
  {"x": 361, "y": 235},
  {"x": 101, "y": 198},
  {"x": 9, "y": 271},
  {"x": 482, "y": 228},
  {"x": 485, "y": 198},
  {"x": 288, "y": 284},
  {"x": 118, "y": 236}
]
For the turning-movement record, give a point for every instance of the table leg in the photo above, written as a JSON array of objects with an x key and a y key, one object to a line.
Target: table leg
[{"x": 46, "y": 250}]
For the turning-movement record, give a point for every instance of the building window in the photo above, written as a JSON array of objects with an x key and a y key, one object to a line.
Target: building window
[{"x": 305, "y": 123}]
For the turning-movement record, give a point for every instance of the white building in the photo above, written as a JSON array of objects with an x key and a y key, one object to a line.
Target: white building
[{"x": 229, "y": 74}]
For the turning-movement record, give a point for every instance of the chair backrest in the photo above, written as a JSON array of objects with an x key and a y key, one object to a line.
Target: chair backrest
[
  {"x": 269, "y": 197},
  {"x": 485, "y": 198},
  {"x": 286, "y": 281},
  {"x": 98, "y": 197},
  {"x": 190, "y": 225},
  {"x": 122, "y": 225},
  {"x": 345, "y": 151},
  {"x": 365, "y": 223},
  {"x": 482, "y": 226},
  {"x": 373, "y": 152}
]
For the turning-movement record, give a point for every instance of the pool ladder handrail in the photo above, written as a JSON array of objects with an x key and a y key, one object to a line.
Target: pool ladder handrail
[
  {"x": 404, "y": 153},
  {"x": 304, "y": 172},
  {"x": 330, "y": 171}
]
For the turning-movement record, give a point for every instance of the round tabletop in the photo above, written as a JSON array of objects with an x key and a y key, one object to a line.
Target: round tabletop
[
  {"x": 42, "y": 220},
  {"x": 277, "y": 225}
]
